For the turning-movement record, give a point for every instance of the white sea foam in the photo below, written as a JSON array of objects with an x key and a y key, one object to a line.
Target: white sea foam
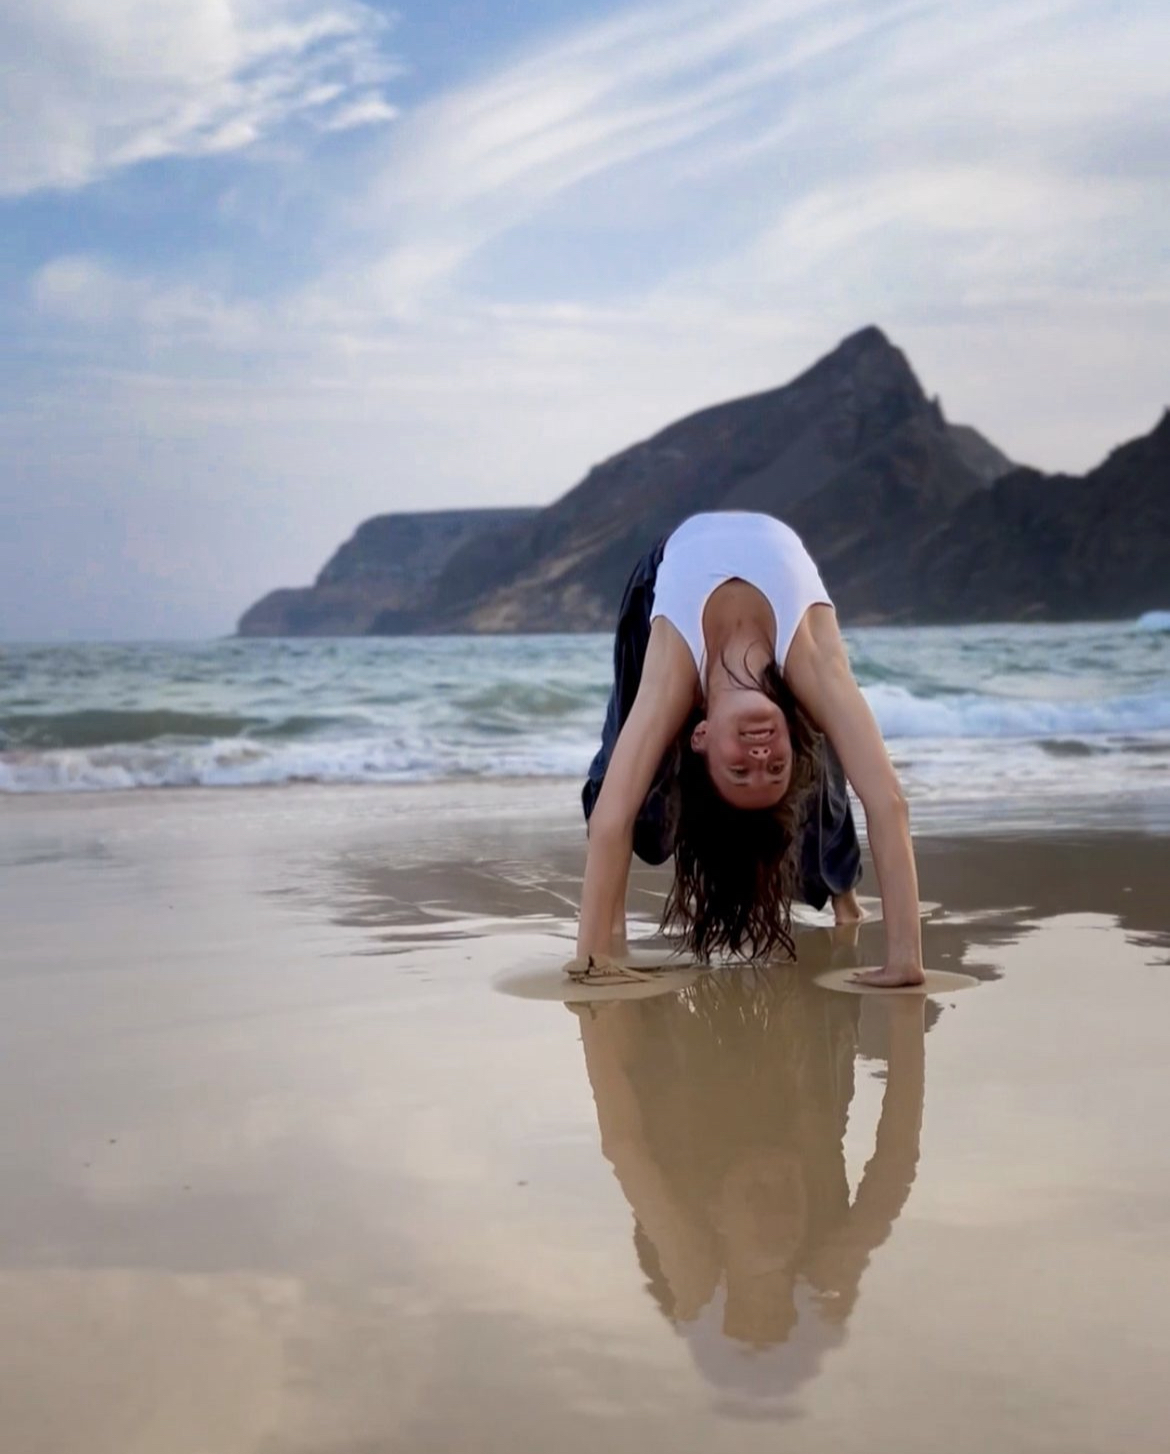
[
  {"x": 900, "y": 713},
  {"x": 240, "y": 763},
  {"x": 1153, "y": 621}
]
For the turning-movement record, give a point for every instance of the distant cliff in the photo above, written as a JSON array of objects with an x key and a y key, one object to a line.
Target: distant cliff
[
  {"x": 1048, "y": 547},
  {"x": 911, "y": 519},
  {"x": 382, "y": 579}
]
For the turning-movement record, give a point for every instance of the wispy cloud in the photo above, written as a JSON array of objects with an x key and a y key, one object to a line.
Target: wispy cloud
[
  {"x": 892, "y": 158},
  {"x": 870, "y": 111},
  {"x": 91, "y": 86},
  {"x": 368, "y": 110},
  {"x": 650, "y": 86},
  {"x": 83, "y": 290}
]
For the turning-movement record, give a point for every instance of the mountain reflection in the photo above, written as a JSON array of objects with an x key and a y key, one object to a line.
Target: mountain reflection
[{"x": 723, "y": 1113}]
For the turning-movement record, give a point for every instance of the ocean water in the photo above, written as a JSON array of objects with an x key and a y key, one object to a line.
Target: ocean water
[{"x": 968, "y": 712}]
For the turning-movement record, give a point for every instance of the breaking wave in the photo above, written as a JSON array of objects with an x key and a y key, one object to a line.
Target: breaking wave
[
  {"x": 1062, "y": 703},
  {"x": 901, "y": 713}
]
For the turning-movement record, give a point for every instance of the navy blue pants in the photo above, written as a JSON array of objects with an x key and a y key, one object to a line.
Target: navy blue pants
[{"x": 830, "y": 856}]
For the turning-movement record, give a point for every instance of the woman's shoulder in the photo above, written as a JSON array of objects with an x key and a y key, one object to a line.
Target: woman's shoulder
[
  {"x": 817, "y": 645},
  {"x": 669, "y": 673}
]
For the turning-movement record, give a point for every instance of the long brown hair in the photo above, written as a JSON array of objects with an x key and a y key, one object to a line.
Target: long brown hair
[{"x": 736, "y": 870}]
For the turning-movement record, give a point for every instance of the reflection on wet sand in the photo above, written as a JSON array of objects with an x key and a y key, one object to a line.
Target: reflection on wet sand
[
  {"x": 723, "y": 1113},
  {"x": 992, "y": 890}
]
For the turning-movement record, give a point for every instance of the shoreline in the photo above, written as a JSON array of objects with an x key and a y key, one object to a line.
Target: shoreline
[{"x": 931, "y": 816}]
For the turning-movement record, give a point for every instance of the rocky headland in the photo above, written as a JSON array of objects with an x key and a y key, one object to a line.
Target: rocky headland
[{"x": 910, "y": 517}]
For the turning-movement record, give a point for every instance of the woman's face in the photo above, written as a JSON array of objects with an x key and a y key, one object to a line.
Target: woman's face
[{"x": 748, "y": 749}]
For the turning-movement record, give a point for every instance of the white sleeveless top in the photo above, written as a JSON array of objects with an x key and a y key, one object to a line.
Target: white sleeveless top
[{"x": 707, "y": 550}]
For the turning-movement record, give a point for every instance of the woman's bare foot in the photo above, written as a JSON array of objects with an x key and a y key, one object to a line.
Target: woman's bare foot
[
  {"x": 844, "y": 936},
  {"x": 891, "y": 976},
  {"x": 847, "y": 909}
]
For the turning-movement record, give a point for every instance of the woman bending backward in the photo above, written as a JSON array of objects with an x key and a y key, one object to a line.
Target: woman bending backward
[{"x": 729, "y": 666}]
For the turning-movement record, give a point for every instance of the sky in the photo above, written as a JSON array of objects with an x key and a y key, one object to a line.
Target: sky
[{"x": 268, "y": 267}]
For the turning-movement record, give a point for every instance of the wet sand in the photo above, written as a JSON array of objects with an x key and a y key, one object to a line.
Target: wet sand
[{"x": 282, "y": 1171}]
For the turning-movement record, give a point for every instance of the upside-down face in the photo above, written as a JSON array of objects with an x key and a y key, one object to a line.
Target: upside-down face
[{"x": 747, "y": 747}]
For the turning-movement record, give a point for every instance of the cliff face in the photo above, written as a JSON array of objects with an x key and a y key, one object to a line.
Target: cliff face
[
  {"x": 1049, "y": 547},
  {"x": 382, "y": 578},
  {"x": 851, "y": 453}
]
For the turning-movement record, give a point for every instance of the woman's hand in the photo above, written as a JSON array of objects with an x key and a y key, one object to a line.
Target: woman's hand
[{"x": 891, "y": 976}]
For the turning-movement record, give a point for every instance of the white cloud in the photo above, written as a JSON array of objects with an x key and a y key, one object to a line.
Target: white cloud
[
  {"x": 908, "y": 162},
  {"x": 369, "y": 110},
  {"x": 90, "y": 86},
  {"x": 482, "y": 160},
  {"x": 84, "y": 290},
  {"x": 952, "y": 148}
]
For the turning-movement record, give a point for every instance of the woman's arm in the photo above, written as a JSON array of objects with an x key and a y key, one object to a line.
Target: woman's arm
[
  {"x": 665, "y": 696},
  {"x": 818, "y": 669},
  {"x": 838, "y": 1263},
  {"x": 682, "y": 1239}
]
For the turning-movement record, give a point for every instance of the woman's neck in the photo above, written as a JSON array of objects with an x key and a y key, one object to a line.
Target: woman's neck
[
  {"x": 739, "y": 629},
  {"x": 736, "y": 658}
]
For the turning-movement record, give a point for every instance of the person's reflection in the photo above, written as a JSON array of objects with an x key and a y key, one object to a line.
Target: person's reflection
[{"x": 723, "y": 1113}]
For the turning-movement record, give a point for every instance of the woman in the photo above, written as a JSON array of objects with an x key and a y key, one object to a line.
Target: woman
[{"x": 729, "y": 664}]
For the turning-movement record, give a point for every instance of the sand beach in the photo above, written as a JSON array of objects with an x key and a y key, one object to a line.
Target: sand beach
[{"x": 285, "y": 1171}]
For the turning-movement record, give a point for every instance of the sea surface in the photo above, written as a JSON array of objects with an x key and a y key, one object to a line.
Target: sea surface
[{"x": 972, "y": 712}]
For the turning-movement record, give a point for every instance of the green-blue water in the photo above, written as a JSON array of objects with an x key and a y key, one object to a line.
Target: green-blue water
[{"x": 967, "y": 711}]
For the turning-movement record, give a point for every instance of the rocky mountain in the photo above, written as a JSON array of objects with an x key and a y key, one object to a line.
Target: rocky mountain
[
  {"x": 1048, "y": 547},
  {"x": 852, "y": 453},
  {"x": 911, "y": 519},
  {"x": 382, "y": 579}
]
